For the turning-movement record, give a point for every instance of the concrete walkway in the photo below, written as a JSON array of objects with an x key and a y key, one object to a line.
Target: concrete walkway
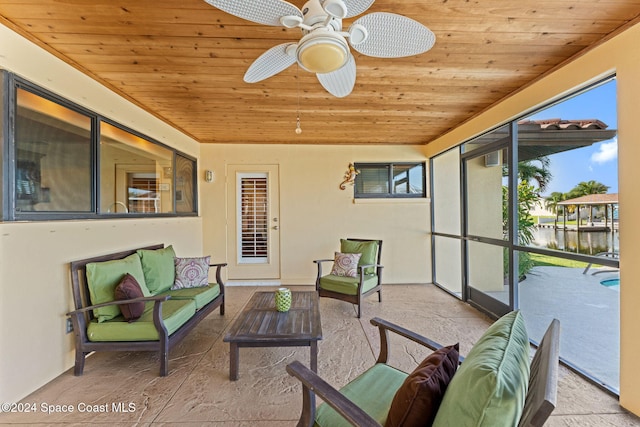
[{"x": 588, "y": 311}]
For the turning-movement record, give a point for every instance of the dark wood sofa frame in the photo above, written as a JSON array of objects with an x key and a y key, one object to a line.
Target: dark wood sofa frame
[
  {"x": 359, "y": 296},
  {"x": 83, "y": 314},
  {"x": 540, "y": 400}
]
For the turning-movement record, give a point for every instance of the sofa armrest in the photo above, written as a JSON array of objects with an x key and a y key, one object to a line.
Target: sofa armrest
[
  {"x": 313, "y": 385},
  {"x": 156, "y": 298},
  {"x": 384, "y": 327},
  {"x": 218, "y": 267}
]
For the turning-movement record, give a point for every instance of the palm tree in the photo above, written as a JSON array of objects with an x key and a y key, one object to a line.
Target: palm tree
[
  {"x": 551, "y": 203},
  {"x": 529, "y": 171},
  {"x": 585, "y": 188},
  {"x": 591, "y": 187}
]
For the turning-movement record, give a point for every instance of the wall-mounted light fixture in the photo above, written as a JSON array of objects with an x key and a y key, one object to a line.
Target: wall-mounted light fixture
[{"x": 208, "y": 176}]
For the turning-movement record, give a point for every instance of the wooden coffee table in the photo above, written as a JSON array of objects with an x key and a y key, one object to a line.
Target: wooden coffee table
[{"x": 261, "y": 325}]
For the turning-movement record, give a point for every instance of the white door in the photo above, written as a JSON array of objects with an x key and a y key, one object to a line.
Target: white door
[{"x": 253, "y": 223}]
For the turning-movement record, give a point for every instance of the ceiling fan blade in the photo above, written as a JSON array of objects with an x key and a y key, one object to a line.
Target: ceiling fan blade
[
  {"x": 392, "y": 36},
  {"x": 356, "y": 7},
  {"x": 267, "y": 12},
  {"x": 270, "y": 63},
  {"x": 340, "y": 83}
]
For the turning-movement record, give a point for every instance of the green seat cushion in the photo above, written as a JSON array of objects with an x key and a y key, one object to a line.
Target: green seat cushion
[
  {"x": 103, "y": 277},
  {"x": 369, "y": 251},
  {"x": 347, "y": 285},
  {"x": 174, "y": 313},
  {"x": 490, "y": 386},
  {"x": 372, "y": 391},
  {"x": 202, "y": 295},
  {"x": 159, "y": 268}
]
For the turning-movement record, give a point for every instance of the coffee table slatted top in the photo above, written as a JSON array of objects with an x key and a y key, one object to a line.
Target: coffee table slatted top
[{"x": 260, "y": 322}]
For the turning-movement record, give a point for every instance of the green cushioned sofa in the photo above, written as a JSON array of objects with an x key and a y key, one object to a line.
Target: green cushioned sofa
[{"x": 168, "y": 316}]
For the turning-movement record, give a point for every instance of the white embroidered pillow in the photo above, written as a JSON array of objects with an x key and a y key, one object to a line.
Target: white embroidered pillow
[
  {"x": 345, "y": 265},
  {"x": 191, "y": 272}
]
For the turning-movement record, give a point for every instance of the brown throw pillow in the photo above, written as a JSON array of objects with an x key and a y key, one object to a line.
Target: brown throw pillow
[
  {"x": 129, "y": 288},
  {"x": 417, "y": 400}
]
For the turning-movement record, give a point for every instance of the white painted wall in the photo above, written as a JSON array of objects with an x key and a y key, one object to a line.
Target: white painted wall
[
  {"x": 315, "y": 213},
  {"x": 35, "y": 289}
]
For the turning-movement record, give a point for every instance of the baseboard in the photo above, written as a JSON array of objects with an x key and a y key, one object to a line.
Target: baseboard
[{"x": 253, "y": 283}]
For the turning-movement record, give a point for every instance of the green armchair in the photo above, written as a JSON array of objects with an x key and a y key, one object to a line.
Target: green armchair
[
  {"x": 496, "y": 385},
  {"x": 366, "y": 280}
]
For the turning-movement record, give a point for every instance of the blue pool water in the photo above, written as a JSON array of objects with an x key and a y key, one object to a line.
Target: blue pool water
[{"x": 611, "y": 282}]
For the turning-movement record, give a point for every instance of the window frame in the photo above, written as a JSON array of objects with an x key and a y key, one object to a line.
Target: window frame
[
  {"x": 390, "y": 194},
  {"x": 10, "y": 84}
]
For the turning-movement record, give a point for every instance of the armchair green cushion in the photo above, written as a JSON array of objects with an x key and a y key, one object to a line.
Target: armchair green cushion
[
  {"x": 489, "y": 388},
  {"x": 103, "y": 277},
  {"x": 347, "y": 285},
  {"x": 369, "y": 250},
  {"x": 382, "y": 378}
]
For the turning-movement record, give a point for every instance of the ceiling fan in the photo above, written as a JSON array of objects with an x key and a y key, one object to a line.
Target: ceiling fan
[{"x": 323, "y": 47}]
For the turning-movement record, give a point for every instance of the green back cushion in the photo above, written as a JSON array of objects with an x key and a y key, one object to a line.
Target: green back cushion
[
  {"x": 159, "y": 268},
  {"x": 369, "y": 251},
  {"x": 490, "y": 386},
  {"x": 103, "y": 277}
]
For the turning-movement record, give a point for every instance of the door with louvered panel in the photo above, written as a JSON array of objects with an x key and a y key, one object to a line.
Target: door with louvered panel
[{"x": 253, "y": 222}]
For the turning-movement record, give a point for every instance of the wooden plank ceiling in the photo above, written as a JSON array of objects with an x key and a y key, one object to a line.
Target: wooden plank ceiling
[{"x": 184, "y": 62}]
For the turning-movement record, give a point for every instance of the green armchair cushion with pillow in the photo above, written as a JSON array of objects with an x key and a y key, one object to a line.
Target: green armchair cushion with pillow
[{"x": 346, "y": 284}]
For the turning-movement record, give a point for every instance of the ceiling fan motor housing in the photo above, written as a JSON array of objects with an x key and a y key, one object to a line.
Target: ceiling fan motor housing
[{"x": 315, "y": 14}]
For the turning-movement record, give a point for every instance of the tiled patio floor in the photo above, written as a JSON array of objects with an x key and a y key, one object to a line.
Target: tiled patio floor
[{"x": 198, "y": 392}]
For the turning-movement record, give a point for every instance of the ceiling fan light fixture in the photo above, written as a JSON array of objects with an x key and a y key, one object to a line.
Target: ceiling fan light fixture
[{"x": 322, "y": 52}]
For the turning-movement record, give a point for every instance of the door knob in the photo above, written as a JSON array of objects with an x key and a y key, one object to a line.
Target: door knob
[{"x": 275, "y": 227}]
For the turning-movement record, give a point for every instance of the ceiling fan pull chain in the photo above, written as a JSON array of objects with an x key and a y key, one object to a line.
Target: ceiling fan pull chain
[{"x": 298, "y": 128}]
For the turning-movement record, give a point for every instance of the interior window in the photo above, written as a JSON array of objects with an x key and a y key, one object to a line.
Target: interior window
[
  {"x": 136, "y": 175},
  {"x": 53, "y": 157},
  {"x": 63, "y": 161}
]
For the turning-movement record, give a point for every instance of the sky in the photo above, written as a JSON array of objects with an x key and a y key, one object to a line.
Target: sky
[{"x": 598, "y": 162}]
